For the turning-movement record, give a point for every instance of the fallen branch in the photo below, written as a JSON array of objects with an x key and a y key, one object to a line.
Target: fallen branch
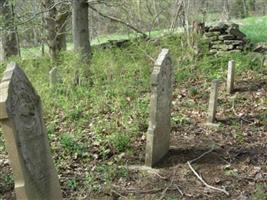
[
  {"x": 179, "y": 190},
  {"x": 163, "y": 194},
  {"x": 200, "y": 178},
  {"x": 117, "y": 193}
]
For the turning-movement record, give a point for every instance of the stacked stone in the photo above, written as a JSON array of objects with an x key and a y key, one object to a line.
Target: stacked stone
[{"x": 225, "y": 37}]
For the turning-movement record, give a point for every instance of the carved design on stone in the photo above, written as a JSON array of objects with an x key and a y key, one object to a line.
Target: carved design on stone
[{"x": 24, "y": 108}]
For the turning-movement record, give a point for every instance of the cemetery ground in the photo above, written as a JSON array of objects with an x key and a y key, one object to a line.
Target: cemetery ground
[{"x": 97, "y": 130}]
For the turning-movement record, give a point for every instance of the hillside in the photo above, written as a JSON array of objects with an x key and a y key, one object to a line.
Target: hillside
[{"x": 97, "y": 130}]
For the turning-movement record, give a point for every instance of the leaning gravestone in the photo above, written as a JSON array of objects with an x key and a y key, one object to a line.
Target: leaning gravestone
[
  {"x": 26, "y": 138},
  {"x": 158, "y": 135}
]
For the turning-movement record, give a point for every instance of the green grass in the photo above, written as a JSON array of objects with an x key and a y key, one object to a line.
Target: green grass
[
  {"x": 255, "y": 28},
  {"x": 108, "y": 112}
]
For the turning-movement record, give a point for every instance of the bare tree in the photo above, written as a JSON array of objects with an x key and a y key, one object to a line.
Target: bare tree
[
  {"x": 9, "y": 37},
  {"x": 55, "y": 24}
]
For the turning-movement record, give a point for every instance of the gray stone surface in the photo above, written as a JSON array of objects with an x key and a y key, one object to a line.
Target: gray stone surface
[
  {"x": 2, "y": 57},
  {"x": 213, "y": 101},
  {"x": 53, "y": 76},
  {"x": 230, "y": 77},
  {"x": 158, "y": 134},
  {"x": 26, "y": 138},
  {"x": 265, "y": 60}
]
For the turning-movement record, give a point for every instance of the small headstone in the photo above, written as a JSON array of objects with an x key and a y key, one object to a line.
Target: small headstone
[
  {"x": 265, "y": 60},
  {"x": 53, "y": 76},
  {"x": 230, "y": 76},
  {"x": 158, "y": 135},
  {"x": 26, "y": 138},
  {"x": 213, "y": 101},
  {"x": 2, "y": 56}
]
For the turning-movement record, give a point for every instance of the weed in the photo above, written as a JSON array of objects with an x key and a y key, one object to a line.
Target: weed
[
  {"x": 72, "y": 184},
  {"x": 71, "y": 145},
  {"x": 260, "y": 193},
  {"x": 120, "y": 141}
]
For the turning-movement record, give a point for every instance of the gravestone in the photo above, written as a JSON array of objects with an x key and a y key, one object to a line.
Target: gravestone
[
  {"x": 26, "y": 138},
  {"x": 230, "y": 77},
  {"x": 158, "y": 134},
  {"x": 53, "y": 76},
  {"x": 265, "y": 60},
  {"x": 213, "y": 101},
  {"x": 2, "y": 57}
]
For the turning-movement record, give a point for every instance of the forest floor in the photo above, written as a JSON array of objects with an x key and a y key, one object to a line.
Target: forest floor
[
  {"x": 238, "y": 160},
  {"x": 97, "y": 135}
]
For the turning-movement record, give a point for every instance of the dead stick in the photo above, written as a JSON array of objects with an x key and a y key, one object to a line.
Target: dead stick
[
  {"x": 201, "y": 156},
  {"x": 206, "y": 184},
  {"x": 200, "y": 178},
  {"x": 179, "y": 190},
  {"x": 163, "y": 194}
]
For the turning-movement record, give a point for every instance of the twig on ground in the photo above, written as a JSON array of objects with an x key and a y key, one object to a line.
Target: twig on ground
[
  {"x": 202, "y": 155},
  {"x": 179, "y": 190},
  {"x": 117, "y": 193},
  {"x": 163, "y": 194},
  {"x": 200, "y": 178}
]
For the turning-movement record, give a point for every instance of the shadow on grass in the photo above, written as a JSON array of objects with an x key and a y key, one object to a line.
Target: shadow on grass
[
  {"x": 258, "y": 120},
  {"x": 256, "y": 154},
  {"x": 250, "y": 85}
]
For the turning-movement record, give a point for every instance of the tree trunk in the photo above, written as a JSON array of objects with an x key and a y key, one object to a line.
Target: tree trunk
[
  {"x": 245, "y": 8},
  {"x": 9, "y": 38},
  {"x": 50, "y": 13},
  {"x": 80, "y": 26},
  {"x": 55, "y": 23},
  {"x": 226, "y": 10}
]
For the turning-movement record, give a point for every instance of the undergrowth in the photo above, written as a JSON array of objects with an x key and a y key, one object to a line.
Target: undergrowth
[{"x": 103, "y": 117}]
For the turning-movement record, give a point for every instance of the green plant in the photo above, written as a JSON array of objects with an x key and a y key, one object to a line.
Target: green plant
[
  {"x": 260, "y": 193},
  {"x": 120, "y": 141},
  {"x": 70, "y": 144},
  {"x": 72, "y": 184}
]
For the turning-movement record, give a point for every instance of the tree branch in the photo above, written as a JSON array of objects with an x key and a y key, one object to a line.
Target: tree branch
[{"x": 119, "y": 21}]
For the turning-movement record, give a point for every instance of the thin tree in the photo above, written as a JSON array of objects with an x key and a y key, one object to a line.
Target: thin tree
[
  {"x": 55, "y": 24},
  {"x": 9, "y": 37}
]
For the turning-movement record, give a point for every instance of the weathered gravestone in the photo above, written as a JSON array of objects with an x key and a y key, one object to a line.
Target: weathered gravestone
[
  {"x": 230, "y": 76},
  {"x": 2, "y": 57},
  {"x": 158, "y": 135},
  {"x": 213, "y": 102},
  {"x": 26, "y": 138},
  {"x": 53, "y": 76}
]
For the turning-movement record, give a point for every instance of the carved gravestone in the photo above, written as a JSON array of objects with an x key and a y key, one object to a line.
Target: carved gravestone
[
  {"x": 26, "y": 138},
  {"x": 158, "y": 135}
]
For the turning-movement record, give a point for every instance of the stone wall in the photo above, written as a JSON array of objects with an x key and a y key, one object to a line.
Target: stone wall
[{"x": 225, "y": 37}]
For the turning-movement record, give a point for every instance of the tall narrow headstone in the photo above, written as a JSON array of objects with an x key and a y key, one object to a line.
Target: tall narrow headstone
[
  {"x": 26, "y": 138},
  {"x": 2, "y": 57},
  {"x": 265, "y": 60},
  {"x": 53, "y": 76},
  {"x": 213, "y": 101},
  {"x": 158, "y": 134},
  {"x": 230, "y": 76}
]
